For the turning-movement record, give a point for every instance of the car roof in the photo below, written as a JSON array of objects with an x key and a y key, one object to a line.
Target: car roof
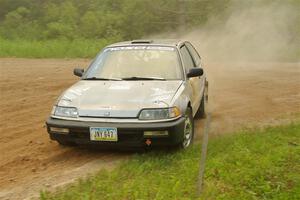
[{"x": 155, "y": 42}]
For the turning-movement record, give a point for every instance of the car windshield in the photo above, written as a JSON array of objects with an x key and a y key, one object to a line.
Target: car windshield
[{"x": 135, "y": 63}]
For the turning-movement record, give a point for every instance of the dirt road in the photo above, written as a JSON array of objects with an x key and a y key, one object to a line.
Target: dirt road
[{"x": 240, "y": 95}]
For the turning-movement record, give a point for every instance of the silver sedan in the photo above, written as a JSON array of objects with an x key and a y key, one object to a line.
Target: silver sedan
[{"x": 134, "y": 94}]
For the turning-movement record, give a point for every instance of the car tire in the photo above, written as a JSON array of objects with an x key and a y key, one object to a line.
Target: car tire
[{"x": 188, "y": 130}]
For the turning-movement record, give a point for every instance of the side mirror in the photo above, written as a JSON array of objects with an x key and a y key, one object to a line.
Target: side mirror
[
  {"x": 78, "y": 72},
  {"x": 194, "y": 72}
]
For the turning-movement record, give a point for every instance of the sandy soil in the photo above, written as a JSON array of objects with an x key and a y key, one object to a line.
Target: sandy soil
[{"x": 240, "y": 95}]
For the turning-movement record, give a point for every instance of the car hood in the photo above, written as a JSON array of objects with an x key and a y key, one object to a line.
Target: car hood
[{"x": 122, "y": 99}]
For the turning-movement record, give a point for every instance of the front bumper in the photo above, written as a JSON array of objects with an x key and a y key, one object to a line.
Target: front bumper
[{"x": 129, "y": 134}]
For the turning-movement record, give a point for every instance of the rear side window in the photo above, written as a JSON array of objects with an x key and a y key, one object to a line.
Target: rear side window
[
  {"x": 194, "y": 53},
  {"x": 186, "y": 59}
]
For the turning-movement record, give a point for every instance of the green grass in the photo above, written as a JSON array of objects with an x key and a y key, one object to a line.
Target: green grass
[
  {"x": 82, "y": 48},
  {"x": 51, "y": 48},
  {"x": 261, "y": 164}
]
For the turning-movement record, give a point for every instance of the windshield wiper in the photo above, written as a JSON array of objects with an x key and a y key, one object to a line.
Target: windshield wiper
[
  {"x": 137, "y": 78},
  {"x": 102, "y": 79}
]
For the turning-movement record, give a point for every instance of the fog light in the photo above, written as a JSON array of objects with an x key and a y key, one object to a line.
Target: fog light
[
  {"x": 156, "y": 133},
  {"x": 59, "y": 130}
]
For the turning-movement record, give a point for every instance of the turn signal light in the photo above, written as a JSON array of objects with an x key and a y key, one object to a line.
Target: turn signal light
[
  {"x": 156, "y": 133},
  {"x": 59, "y": 130}
]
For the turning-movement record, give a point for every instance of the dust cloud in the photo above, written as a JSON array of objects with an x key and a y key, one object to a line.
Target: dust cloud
[
  {"x": 251, "y": 31},
  {"x": 252, "y": 45}
]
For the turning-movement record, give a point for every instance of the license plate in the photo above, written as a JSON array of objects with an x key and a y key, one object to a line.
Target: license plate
[{"x": 103, "y": 134}]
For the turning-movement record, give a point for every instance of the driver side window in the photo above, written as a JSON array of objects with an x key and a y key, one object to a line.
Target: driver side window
[{"x": 186, "y": 59}]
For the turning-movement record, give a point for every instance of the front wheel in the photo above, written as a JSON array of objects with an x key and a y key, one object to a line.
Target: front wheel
[{"x": 188, "y": 130}]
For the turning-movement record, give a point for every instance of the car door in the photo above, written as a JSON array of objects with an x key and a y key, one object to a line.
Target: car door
[
  {"x": 197, "y": 61},
  {"x": 193, "y": 84}
]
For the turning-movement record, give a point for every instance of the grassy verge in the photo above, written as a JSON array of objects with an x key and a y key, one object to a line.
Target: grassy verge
[
  {"x": 262, "y": 164},
  {"x": 84, "y": 48},
  {"x": 51, "y": 48}
]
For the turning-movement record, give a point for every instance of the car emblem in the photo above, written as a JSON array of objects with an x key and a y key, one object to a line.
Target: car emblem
[{"x": 106, "y": 114}]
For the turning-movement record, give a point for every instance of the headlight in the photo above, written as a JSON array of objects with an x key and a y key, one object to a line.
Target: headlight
[
  {"x": 65, "y": 111},
  {"x": 162, "y": 113}
]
